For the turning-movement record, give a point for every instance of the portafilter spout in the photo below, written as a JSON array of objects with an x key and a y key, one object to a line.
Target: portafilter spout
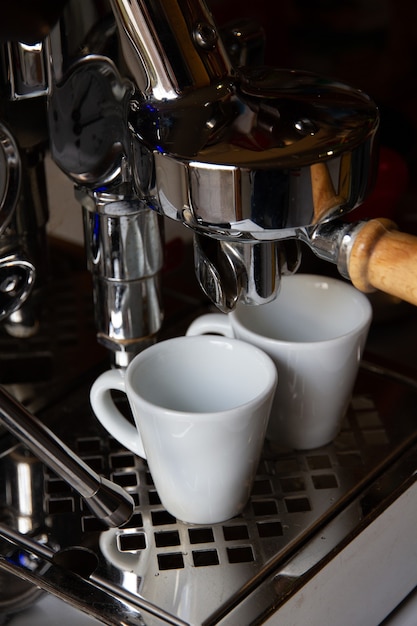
[{"x": 109, "y": 502}]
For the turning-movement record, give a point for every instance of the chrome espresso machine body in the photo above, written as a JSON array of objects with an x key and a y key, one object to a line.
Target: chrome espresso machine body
[
  {"x": 152, "y": 112},
  {"x": 148, "y": 116},
  {"x": 182, "y": 133}
]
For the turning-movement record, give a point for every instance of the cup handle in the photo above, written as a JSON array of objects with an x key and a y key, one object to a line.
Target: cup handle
[
  {"x": 217, "y": 323},
  {"x": 109, "y": 415}
]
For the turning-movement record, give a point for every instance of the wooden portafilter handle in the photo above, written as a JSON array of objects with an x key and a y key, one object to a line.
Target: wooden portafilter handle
[{"x": 383, "y": 258}]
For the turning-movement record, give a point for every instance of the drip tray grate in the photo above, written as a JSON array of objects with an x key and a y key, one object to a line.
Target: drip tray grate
[
  {"x": 192, "y": 571},
  {"x": 198, "y": 574}
]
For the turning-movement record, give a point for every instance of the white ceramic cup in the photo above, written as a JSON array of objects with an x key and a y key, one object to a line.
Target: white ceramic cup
[
  {"x": 201, "y": 407},
  {"x": 315, "y": 332}
]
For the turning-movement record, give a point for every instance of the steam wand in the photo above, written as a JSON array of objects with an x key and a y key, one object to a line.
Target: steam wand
[{"x": 109, "y": 502}]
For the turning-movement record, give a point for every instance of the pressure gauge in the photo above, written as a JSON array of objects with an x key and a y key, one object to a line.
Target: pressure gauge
[{"x": 87, "y": 121}]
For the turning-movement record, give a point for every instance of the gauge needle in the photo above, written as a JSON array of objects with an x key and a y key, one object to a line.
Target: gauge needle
[{"x": 78, "y": 102}]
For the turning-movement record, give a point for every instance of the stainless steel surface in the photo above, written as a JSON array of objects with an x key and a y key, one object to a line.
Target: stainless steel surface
[
  {"x": 125, "y": 256},
  {"x": 222, "y": 270},
  {"x": 213, "y": 573},
  {"x": 28, "y": 69},
  {"x": 232, "y": 190},
  {"x": 24, "y": 207},
  {"x": 21, "y": 497},
  {"x": 144, "y": 105},
  {"x": 44, "y": 613},
  {"x": 17, "y": 277},
  {"x": 152, "y": 106},
  {"x": 17, "y": 273},
  {"x": 169, "y": 58},
  {"x": 10, "y": 176},
  {"x": 354, "y": 567},
  {"x": 305, "y": 510},
  {"x": 82, "y": 562},
  {"x": 249, "y": 271},
  {"x": 22, "y": 487}
]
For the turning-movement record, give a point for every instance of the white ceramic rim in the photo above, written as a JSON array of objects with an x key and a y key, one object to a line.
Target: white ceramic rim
[
  {"x": 295, "y": 345},
  {"x": 270, "y": 379}
]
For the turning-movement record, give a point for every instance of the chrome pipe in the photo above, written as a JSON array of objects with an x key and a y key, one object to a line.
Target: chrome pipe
[{"x": 124, "y": 255}]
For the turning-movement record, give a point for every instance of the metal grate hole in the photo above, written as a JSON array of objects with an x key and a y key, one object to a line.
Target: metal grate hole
[
  {"x": 262, "y": 487},
  {"x": 202, "y": 558},
  {"x": 50, "y": 474},
  {"x": 89, "y": 446},
  {"x": 349, "y": 459},
  {"x": 265, "y": 507},
  {"x": 361, "y": 403},
  {"x": 232, "y": 533},
  {"x": 95, "y": 462},
  {"x": 115, "y": 446},
  {"x": 60, "y": 505},
  {"x": 375, "y": 437},
  {"x": 345, "y": 424},
  {"x": 263, "y": 467},
  {"x": 92, "y": 525},
  {"x": 165, "y": 539},
  {"x": 325, "y": 481},
  {"x": 154, "y": 497},
  {"x": 295, "y": 483},
  {"x": 242, "y": 554},
  {"x": 201, "y": 535},
  {"x": 131, "y": 542},
  {"x": 54, "y": 487},
  {"x": 346, "y": 441},
  {"x": 368, "y": 419},
  {"x": 319, "y": 461},
  {"x": 297, "y": 505},
  {"x": 287, "y": 466},
  {"x": 135, "y": 521},
  {"x": 136, "y": 499},
  {"x": 120, "y": 461},
  {"x": 159, "y": 518},
  {"x": 127, "y": 479},
  {"x": 270, "y": 529},
  {"x": 174, "y": 560},
  {"x": 148, "y": 478}
]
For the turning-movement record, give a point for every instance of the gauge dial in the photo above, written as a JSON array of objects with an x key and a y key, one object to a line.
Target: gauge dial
[{"x": 88, "y": 123}]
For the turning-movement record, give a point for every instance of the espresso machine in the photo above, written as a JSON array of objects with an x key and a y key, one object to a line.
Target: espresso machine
[{"x": 154, "y": 113}]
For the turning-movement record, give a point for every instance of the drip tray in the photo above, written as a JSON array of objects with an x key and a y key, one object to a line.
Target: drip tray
[
  {"x": 306, "y": 509},
  {"x": 204, "y": 574}
]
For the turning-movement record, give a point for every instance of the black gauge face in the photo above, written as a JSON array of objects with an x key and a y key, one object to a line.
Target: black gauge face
[{"x": 87, "y": 122}]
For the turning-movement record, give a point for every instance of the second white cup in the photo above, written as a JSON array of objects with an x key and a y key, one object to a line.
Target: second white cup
[
  {"x": 201, "y": 407},
  {"x": 315, "y": 332}
]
